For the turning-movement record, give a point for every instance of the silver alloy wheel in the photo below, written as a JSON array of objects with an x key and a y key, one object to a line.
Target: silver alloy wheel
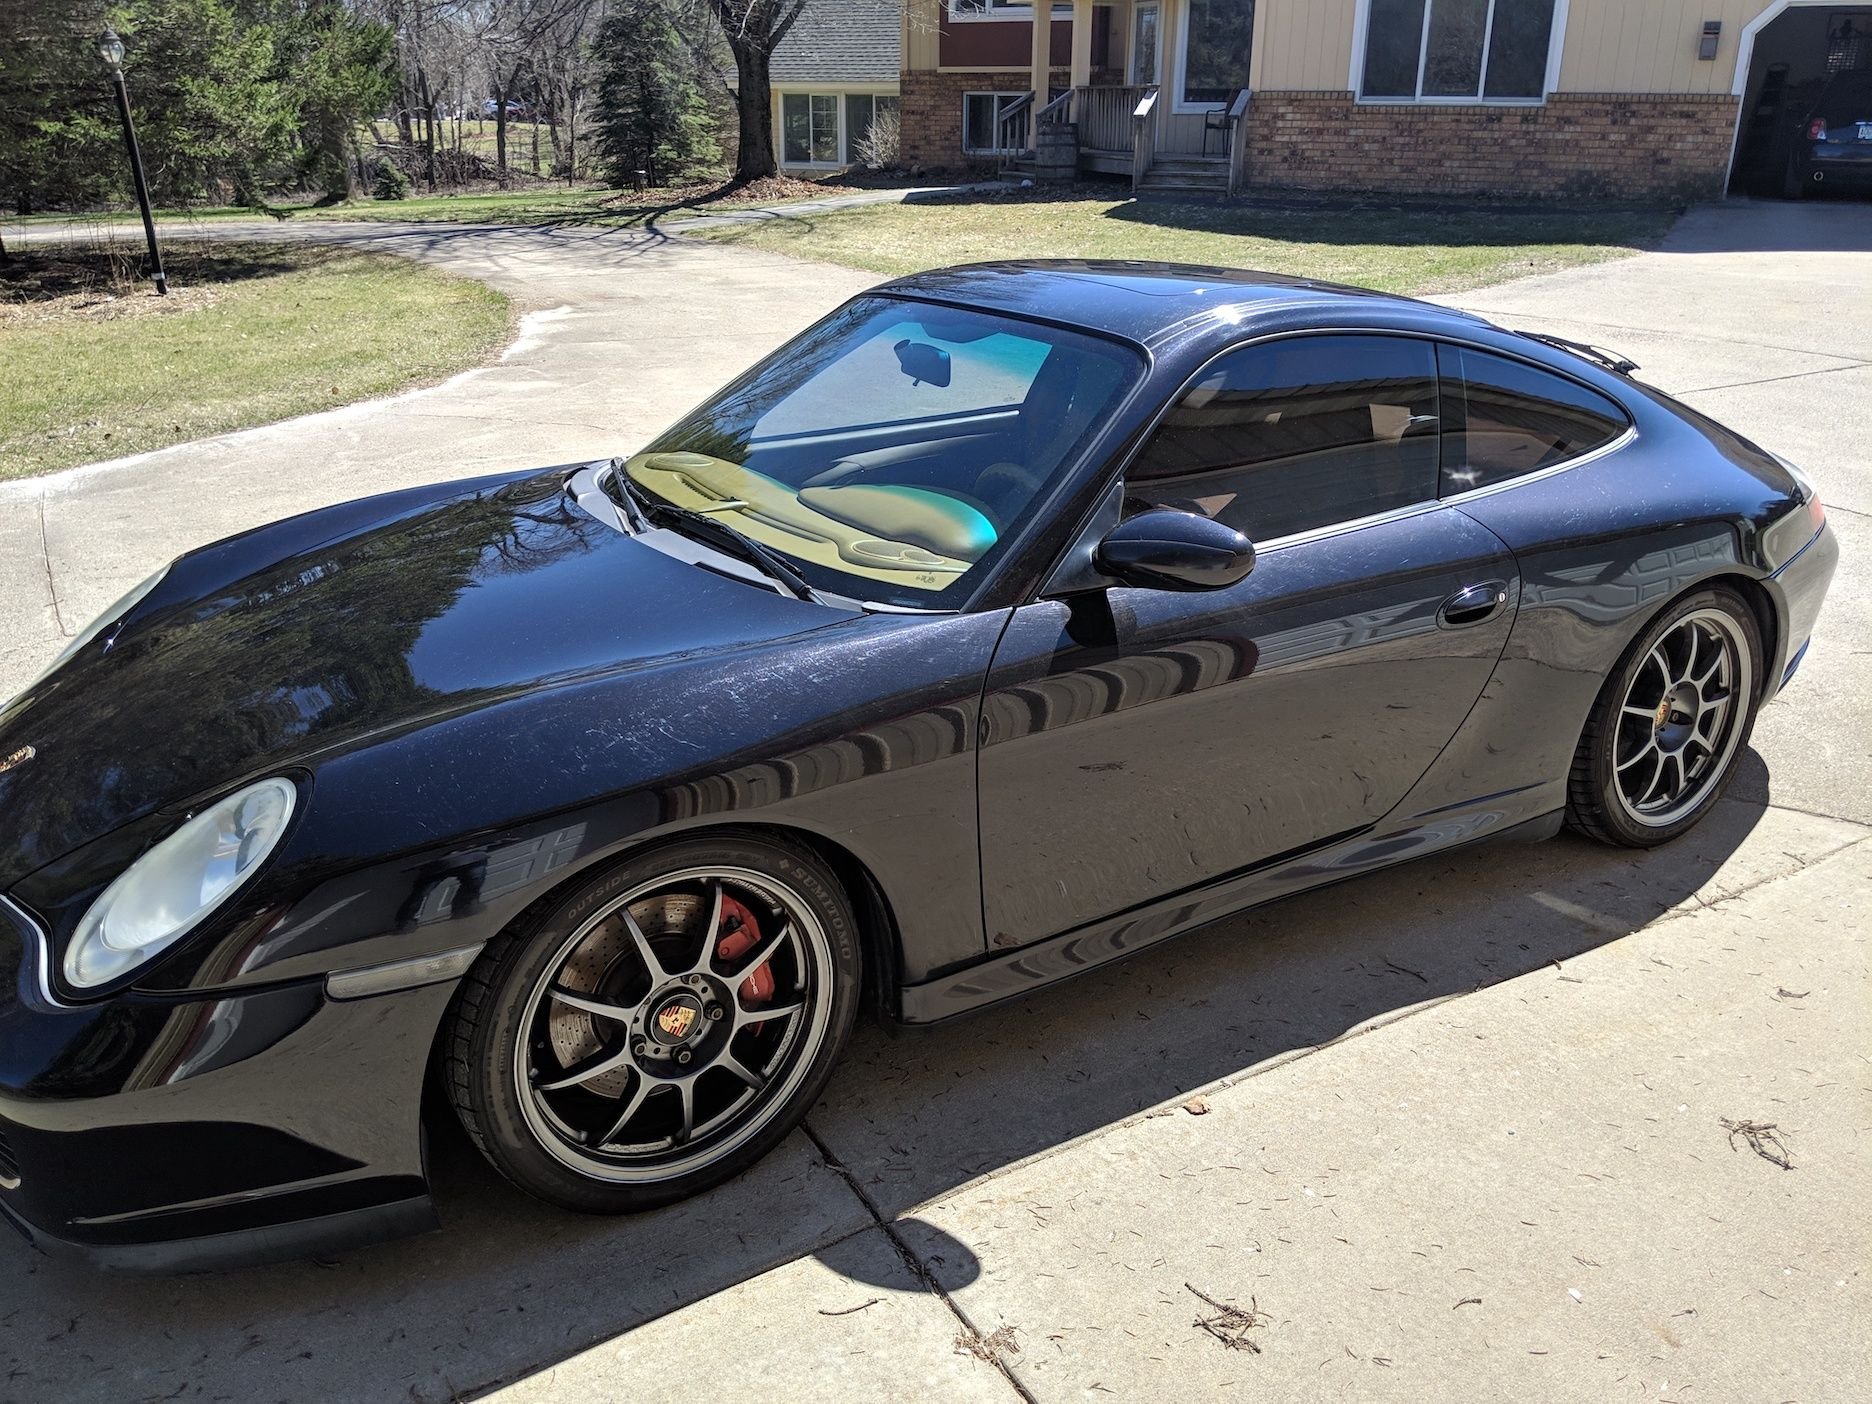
[
  {"x": 1682, "y": 718},
  {"x": 645, "y": 1053}
]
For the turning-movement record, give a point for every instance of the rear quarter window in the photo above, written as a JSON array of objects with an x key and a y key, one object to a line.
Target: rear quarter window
[{"x": 1503, "y": 419}]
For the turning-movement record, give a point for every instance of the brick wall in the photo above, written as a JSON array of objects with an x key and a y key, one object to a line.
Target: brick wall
[
  {"x": 931, "y": 107},
  {"x": 1588, "y": 145}
]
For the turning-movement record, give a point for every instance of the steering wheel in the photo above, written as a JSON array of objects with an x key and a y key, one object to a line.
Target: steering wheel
[{"x": 998, "y": 479}]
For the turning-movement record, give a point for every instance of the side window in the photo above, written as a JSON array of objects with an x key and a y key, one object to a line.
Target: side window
[
  {"x": 1502, "y": 418},
  {"x": 1290, "y": 435}
]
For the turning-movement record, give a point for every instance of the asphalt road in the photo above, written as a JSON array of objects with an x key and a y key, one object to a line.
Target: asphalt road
[{"x": 1450, "y": 1132}]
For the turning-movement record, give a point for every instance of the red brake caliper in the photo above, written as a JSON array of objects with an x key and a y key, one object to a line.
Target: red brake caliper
[{"x": 740, "y": 934}]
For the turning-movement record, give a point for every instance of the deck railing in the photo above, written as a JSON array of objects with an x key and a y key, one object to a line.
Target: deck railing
[
  {"x": 1238, "y": 141},
  {"x": 1104, "y": 116},
  {"x": 1013, "y": 129},
  {"x": 1143, "y": 136}
]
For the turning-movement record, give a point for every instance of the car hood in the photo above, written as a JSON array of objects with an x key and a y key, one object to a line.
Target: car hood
[{"x": 323, "y": 631}]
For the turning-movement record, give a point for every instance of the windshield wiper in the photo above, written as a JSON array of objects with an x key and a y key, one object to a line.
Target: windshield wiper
[
  {"x": 621, "y": 490},
  {"x": 654, "y": 511},
  {"x": 1611, "y": 360}
]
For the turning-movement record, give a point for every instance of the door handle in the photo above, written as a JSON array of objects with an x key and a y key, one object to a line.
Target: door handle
[{"x": 1473, "y": 605}]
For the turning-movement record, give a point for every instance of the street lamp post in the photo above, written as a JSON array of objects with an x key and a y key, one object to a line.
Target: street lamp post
[{"x": 111, "y": 49}]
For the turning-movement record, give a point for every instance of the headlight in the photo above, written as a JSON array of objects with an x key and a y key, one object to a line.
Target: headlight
[
  {"x": 97, "y": 626},
  {"x": 167, "y": 892}
]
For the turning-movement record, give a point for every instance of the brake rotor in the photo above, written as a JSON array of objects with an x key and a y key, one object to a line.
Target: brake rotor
[{"x": 574, "y": 1032}]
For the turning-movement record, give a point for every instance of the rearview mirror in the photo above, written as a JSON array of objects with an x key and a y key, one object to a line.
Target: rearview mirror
[
  {"x": 923, "y": 362},
  {"x": 1169, "y": 549}
]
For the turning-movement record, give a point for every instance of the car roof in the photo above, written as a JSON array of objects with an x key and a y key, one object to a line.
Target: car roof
[{"x": 1151, "y": 302}]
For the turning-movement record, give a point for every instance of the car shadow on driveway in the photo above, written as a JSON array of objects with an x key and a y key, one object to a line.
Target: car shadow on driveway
[{"x": 511, "y": 1287}]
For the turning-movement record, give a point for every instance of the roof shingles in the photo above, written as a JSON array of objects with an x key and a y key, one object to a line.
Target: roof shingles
[{"x": 842, "y": 41}]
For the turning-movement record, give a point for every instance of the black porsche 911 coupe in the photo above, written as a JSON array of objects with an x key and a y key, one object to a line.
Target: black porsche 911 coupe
[{"x": 1007, "y": 621}]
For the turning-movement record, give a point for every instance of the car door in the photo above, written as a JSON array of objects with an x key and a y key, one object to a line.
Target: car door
[{"x": 1139, "y": 743}]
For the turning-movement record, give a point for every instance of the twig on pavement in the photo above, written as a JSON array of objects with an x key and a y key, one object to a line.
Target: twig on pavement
[
  {"x": 1761, "y": 1138},
  {"x": 1230, "y": 1324}
]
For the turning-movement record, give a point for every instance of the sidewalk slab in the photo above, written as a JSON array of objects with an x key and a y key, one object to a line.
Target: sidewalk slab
[
  {"x": 916, "y": 1116},
  {"x": 1526, "y": 1194},
  {"x": 850, "y": 1322}
]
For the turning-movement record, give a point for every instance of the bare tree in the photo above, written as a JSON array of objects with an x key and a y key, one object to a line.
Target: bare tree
[{"x": 754, "y": 28}]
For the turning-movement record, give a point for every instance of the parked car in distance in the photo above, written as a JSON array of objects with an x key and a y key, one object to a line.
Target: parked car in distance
[
  {"x": 1004, "y": 623},
  {"x": 1833, "y": 147}
]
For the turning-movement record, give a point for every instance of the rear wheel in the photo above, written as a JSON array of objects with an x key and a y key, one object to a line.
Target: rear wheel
[
  {"x": 1794, "y": 180},
  {"x": 1663, "y": 738},
  {"x": 663, "y": 1029}
]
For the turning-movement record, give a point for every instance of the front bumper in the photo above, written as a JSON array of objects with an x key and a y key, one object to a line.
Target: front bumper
[{"x": 162, "y": 1133}]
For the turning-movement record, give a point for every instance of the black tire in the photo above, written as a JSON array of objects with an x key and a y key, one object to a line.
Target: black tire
[
  {"x": 1612, "y": 793},
  {"x": 1794, "y": 180},
  {"x": 505, "y": 1047}
]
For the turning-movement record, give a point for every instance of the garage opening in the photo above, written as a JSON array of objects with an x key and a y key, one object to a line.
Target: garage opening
[{"x": 1810, "y": 73}]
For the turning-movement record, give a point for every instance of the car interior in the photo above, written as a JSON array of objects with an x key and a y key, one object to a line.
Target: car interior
[{"x": 963, "y": 438}]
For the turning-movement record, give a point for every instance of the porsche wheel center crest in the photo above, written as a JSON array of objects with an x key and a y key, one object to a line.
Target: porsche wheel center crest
[{"x": 677, "y": 1019}]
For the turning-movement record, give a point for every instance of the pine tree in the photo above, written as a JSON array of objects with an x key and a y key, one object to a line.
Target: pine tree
[
  {"x": 231, "y": 97},
  {"x": 652, "y": 114}
]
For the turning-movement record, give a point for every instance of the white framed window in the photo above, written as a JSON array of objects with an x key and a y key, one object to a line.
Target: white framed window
[
  {"x": 1217, "y": 40},
  {"x": 1001, "y": 9},
  {"x": 861, "y": 110},
  {"x": 981, "y": 124},
  {"x": 824, "y": 129},
  {"x": 809, "y": 129},
  {"x": 1458, "y": 50}
]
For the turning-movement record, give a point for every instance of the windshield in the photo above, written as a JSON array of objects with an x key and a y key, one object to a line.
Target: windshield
[{"x": 891, "y": 452}]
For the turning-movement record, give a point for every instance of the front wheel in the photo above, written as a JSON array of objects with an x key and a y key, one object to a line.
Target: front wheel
[
  {"x": 1663, "y": 738},
  {"x": 662, "y": 1029}
]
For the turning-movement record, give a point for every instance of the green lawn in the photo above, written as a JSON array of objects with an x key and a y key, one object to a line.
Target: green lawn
[
  {"x": 97, "y": 367},
  {"x": 1413, "y": 250}
]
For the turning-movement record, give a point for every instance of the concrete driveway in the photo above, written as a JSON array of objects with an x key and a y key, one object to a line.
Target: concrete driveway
[{"x": 1452, "y": 1132}]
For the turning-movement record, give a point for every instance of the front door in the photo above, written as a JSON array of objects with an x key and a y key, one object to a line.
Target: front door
[
  {"x": 1144, "y": 22},
  {"x": 1142, "y": 743}
]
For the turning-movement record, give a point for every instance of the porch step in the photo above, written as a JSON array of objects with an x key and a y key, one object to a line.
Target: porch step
[
  {"x": 1155, "y": 179},
  {"x": 1188, "y": 171},
  {"x": 1189, "y": 161}
]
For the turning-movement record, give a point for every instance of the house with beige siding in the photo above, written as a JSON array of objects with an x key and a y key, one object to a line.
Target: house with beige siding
[
  {"x": 1597, "y": 99},
  {"x": 833, "y": 72}
]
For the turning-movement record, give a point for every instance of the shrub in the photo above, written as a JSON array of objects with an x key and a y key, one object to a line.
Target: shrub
[
  {"x": 391, "y": 183},
  {"x": 877, "y": 148}
]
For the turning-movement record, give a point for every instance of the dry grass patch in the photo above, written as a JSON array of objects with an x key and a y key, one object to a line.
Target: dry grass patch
[
  {"x": 97, "y": 366},
  {"x": 1405, "y": 250}
]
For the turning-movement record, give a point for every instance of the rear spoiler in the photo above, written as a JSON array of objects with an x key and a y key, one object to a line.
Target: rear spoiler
[{"x": 1611, "y": 360}]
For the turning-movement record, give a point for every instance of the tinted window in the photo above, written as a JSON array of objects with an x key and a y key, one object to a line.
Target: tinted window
[
  {"x": 1290, "y": 435},
  {"x": 1503, "y": 418}
]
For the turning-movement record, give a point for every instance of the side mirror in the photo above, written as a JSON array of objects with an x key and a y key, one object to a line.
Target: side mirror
[
  {"x": 1168, "y": 549},
  {"x": 923, "y": 362}
]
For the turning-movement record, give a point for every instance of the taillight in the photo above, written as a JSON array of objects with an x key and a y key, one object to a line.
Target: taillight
[
  {"x": 1816, "y": 514},
  {"x": 1816, "y": 129}
]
